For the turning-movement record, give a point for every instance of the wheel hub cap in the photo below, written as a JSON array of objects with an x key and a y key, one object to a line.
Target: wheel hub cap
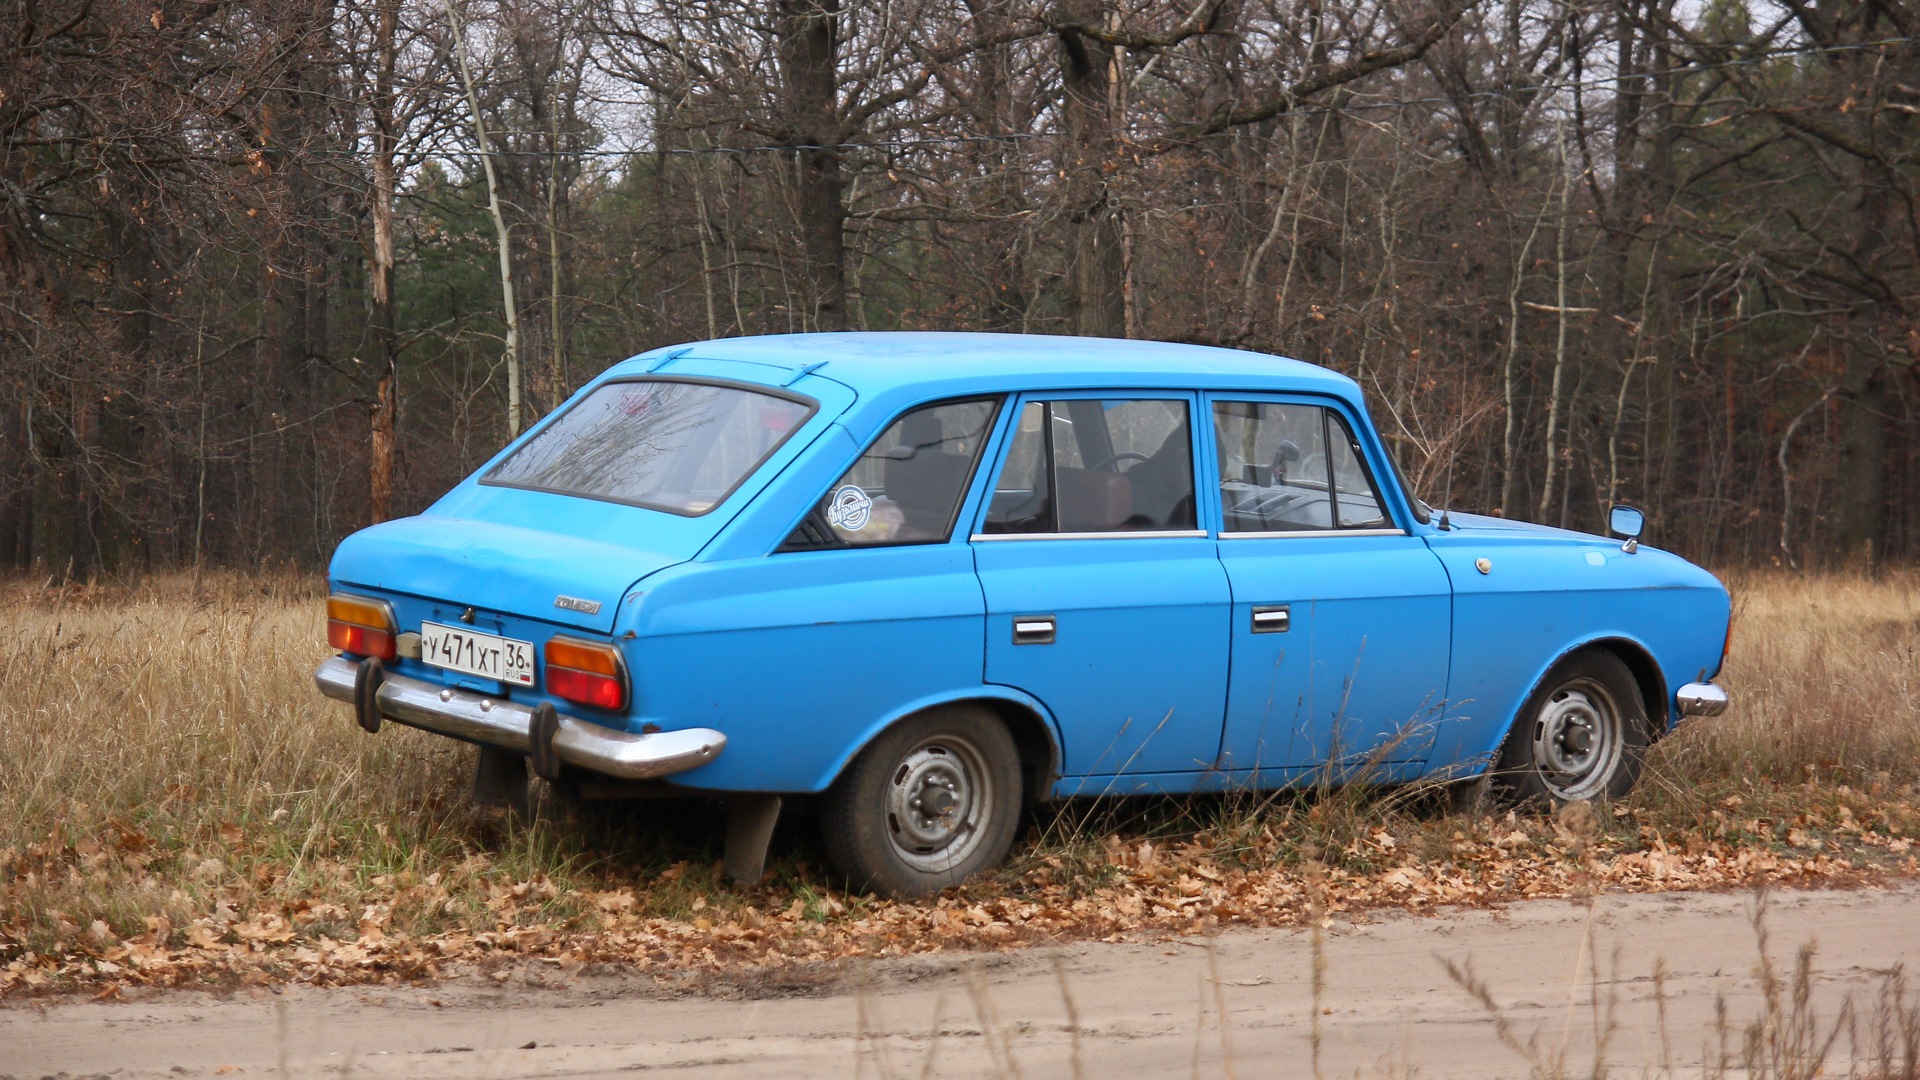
[
  {"x": 935, "y": 803},
  {"x": 1578, "y": 738},
  {"x": 1576, "y": 741}
]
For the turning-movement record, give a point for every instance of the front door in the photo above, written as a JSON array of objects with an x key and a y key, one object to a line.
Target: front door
[
  {"x": 1105, "y": 599},
  {"x": 1341, "y": 621}
]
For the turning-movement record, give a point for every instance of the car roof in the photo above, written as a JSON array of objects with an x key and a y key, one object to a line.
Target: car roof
[{"x": 881, "y": 364}]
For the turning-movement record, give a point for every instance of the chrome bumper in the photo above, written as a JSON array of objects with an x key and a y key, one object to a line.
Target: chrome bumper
[
  {"x": 1701, "y": 699},
  {"x": 464, "y": 714}
]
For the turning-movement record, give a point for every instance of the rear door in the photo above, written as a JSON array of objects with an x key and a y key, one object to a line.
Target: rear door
[
  {"x": 1341, "y": 620},
  {"x": 1105, "y": 598}
]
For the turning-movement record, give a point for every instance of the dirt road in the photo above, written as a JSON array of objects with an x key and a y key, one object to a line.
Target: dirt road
[{"x": 1388, "y": 1006}]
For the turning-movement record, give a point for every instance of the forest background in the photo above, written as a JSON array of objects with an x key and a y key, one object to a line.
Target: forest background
[{"x": 271, "y": 270}]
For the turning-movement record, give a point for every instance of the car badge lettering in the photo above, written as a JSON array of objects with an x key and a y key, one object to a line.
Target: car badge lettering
[
  {"x": 574, "y": 603},
  {"x": 849, "y": 509}
]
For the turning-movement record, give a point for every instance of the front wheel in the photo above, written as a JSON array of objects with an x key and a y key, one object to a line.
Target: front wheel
[
  {"x": 1580, "y": 736},
  {"x": 930, "y": 802}
]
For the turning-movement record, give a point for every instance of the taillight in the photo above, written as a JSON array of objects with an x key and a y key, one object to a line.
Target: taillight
[
  {"x": 361, "y": 626},
  {"x": 586, "y": 672}
]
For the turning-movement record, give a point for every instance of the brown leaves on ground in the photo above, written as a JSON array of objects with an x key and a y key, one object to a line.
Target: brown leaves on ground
[
  {"x": 1125, "y": 888},
  {"x": 174, "y": 821}
]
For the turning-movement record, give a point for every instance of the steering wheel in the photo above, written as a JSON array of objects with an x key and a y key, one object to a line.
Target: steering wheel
[
  {"x": 1114, "y": 459},
  {"x": 1314, "y": 465}
]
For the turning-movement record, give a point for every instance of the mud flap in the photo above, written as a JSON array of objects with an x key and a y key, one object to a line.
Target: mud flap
[
  {"x": 750, "y": 821},
  {"x": 500, "y": 779}
]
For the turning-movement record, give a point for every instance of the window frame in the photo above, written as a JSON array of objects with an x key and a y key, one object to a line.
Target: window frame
[
  {"x": 519, "y": 445},
  {"x": 1003, "y": 450},
  {"x": 834, "y": 542},
  {"x": 1333, "y": 412}
]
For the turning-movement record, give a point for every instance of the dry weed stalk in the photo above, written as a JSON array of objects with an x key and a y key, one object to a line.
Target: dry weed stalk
[{"x": 1786, "y": 1040}]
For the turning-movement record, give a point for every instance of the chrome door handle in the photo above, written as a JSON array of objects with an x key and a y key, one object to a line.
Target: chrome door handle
[
  {"x": 1033, "y": 630},
  {"x": 1272, "y": 619}
]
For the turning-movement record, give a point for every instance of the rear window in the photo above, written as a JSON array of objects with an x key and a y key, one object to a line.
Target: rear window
[{"x": 665, "y": 444}]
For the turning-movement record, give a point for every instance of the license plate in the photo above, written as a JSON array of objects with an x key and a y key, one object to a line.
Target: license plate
[{"x": 470, "y": 652}]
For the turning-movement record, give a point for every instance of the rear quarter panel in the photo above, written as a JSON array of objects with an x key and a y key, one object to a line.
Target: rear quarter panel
[
  {"x": 1546, "y": 596},
  {"x": 799, "y": 657}
]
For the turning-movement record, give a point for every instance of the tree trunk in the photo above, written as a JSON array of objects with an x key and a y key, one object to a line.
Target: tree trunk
[
  {"x": 380, "y": 269},
  {"x": 1560, "y": 341},
  {"x": 509, "y": 308},
  {"x": 16, "y": 478},
  {"x": 1095, "y": 247},
  {"x": 805, "y": 31},
  {"x": 1860, "y": 510}
]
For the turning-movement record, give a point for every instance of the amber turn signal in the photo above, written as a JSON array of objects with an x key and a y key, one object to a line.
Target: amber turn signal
[
  {"x": 586, "y": 672},
  {"x": 361, "y": 626}
]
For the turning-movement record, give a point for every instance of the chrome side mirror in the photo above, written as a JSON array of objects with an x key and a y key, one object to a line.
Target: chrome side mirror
[{"x": 1625, "y": 521}]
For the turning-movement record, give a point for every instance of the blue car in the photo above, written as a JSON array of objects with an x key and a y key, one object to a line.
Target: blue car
[{"x": 931, "y": 579}]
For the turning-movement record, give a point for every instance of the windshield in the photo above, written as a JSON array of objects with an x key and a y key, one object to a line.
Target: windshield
[{"x": 665, "y": 444}]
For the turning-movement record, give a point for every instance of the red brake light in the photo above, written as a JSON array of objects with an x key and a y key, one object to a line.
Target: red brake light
[
  {"x": 362, "y": 626},
  {"x": 361, "y": 640},
  {"x": 586, "y": 672}
]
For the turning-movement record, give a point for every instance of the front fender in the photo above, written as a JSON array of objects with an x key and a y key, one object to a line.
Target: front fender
[{"x": 1544, "y": 597}]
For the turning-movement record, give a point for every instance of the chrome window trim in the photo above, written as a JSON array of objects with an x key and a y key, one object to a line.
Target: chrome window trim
[
  {"x": 1163, "y": 534},
  {"x": 1301, "y": 533}
]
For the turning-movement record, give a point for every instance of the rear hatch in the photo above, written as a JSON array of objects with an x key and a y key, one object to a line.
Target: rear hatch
[
  {"x": 561, "y": 524},
  {"x": 496, "y": 567}
]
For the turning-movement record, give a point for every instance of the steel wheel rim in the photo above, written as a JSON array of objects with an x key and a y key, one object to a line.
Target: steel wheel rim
[
  {"x": 1578, "y": 740},
  {"x": 939, "y": 800}
]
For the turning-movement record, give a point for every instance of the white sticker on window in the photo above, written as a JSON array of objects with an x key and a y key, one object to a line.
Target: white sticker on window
[{"x": 849, "y": 509}]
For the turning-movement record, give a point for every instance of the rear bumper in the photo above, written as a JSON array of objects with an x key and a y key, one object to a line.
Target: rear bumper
[
  {"x": 1701, "y": 699},
  {"x": 477, "y": 718}
]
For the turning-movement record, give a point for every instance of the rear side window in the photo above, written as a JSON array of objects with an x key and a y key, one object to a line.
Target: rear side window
[
  {"x": 663, "y": 444},
  {"x": 1096, "y": 466},
  {"x": 907, "y": 487}
]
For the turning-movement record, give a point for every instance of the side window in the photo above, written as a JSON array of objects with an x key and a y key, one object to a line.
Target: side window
[
  {"x": 1022, "y": 497},
  {"x": 1356, "y": 499},
  {"x": 1093, "y": 466},
  {"x": 907, "y": 487},
  {"x": 1291, "y": 468}
]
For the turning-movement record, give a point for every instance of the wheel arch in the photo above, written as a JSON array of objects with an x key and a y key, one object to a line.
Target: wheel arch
[
  {"x": 1646, "y": 672},
  {"x": 1035, "y": 734},
  {"x": 1639, "y": 662}
]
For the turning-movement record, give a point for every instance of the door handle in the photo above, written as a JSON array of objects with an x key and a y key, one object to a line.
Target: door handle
[
  {"x": 1033, "y": 630},
  {"x": 1272, "y": 619}
]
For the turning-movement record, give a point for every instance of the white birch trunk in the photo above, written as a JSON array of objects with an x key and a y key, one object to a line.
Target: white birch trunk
[{"x": 509, "y": 308}]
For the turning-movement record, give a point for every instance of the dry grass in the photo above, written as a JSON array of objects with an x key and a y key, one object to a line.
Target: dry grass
[
  {"x": 1826, "y": 723},
  {"x": 1828, "y": 678},
  {"x": 157, "y": 802},
  {"x": 170, "y": 752}
]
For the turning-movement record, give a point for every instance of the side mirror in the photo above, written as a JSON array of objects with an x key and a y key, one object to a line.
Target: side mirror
[{"x": 1626, "y": 522}]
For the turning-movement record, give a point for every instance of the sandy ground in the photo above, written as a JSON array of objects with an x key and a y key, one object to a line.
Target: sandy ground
[{"x": 1388, "y": 1007}]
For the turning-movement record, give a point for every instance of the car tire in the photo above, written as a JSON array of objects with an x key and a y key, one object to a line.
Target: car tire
[
  {"x": 932, "y": 801},
  {"x": 1581, "y": 735}
]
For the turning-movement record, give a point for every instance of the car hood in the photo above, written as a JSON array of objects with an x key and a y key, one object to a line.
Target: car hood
[{"x": 498, "y": 567}]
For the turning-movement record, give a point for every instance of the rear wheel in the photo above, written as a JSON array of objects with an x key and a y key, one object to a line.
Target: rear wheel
[
  {"x": 1580, "y": 736},
  {"x": 930, "y": 802}
]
